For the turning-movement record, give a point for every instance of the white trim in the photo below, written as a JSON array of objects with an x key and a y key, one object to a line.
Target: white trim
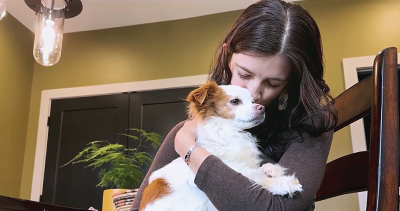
[
  {"x": 357, "y": 133},
  {"x": 48, "y": 95}
]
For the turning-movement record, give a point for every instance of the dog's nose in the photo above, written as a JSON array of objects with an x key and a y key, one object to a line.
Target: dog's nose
[{"x": 260, "y": 107}]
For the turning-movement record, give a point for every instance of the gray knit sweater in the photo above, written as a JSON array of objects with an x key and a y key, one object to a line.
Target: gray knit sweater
[{"x": 229, "y": 190}]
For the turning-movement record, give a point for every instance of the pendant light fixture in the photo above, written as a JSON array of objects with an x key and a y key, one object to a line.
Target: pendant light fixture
[
  {"x": 50, "y": 27},
  {"x": 3, "y": 9}
]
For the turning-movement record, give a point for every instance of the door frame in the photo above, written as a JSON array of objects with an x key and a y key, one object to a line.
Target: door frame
[
  {"x": 86, "y": 91},
  {"x": 351, "y": 66}
]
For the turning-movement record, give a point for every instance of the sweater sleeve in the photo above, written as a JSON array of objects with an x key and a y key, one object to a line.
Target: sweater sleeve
[
  {"x": 230, "y": 190},
  {"x": 166, "y": 154}
]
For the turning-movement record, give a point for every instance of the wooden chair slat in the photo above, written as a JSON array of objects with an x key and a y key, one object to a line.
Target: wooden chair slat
[{"x": 376, "y": 170}]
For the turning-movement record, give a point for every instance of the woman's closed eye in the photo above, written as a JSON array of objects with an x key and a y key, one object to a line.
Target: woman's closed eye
[
  {"x": 244, "y": 76},
  {"x": 270, "y": 84}
]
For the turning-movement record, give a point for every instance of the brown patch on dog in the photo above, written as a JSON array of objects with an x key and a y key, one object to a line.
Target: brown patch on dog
[
  {"x": 223, "y": 108},
  {"x": 157, "y": 189},
  {"x": 209, "y": 100}
]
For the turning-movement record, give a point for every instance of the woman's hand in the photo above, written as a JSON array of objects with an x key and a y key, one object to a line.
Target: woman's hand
[{"x": 186, "y": 138}]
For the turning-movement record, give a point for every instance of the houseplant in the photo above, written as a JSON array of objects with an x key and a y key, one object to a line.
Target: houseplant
[{"x": 120, "y": 167}]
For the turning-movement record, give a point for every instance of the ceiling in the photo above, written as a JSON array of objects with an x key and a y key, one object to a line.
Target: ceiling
[{"x": 102, "y": 14}]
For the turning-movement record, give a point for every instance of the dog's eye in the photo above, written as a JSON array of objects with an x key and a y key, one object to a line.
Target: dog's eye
[{"x": 235, "y": 101}]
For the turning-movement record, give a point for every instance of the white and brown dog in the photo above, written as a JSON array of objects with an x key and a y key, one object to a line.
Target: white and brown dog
[{"x": 225, "y": 112}]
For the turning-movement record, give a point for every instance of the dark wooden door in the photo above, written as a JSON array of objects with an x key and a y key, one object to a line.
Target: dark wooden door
[
  {"x": 73, "y": 123},
  {"x": 157, "y": 111},
  {"x": 76, "y": 122}
]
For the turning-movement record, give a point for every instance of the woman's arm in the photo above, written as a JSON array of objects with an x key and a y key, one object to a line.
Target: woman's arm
[
  {"x": 229, "y": 190},
  {"x": 165, "y": 155},
  {"x": 186, "y": 138}
]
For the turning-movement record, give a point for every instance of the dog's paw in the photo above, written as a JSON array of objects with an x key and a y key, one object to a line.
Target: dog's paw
[
  {"x": 286, "y": 186},
  {"x": 272, "y": 170},
  {"x": 294, "y": 186}
]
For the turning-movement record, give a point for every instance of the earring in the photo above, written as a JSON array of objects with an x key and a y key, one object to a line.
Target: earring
[{"x": 283, "y": 98}]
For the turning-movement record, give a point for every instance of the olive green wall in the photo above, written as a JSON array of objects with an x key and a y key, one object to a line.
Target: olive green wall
[
  {"x": 16, "y": 70},
  {"x": 185, "y": 47},
  {"x": 126, "y": 54}
]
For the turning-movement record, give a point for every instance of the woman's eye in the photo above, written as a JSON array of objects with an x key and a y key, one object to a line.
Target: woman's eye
[
  {"x": 271, "y": 85},
  {"x": 235, "y": 101},
  {"x": 244, "y": 76}
]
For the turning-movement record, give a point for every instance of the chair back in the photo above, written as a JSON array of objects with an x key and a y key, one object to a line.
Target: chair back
[{"x": 376, "y": 170}]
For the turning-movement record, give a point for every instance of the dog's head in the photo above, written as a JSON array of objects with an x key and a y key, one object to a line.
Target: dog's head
[{"x": 229, "y": 102}]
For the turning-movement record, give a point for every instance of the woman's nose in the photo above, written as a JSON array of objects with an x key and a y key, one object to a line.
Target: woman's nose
[
  {"x": 254, "y": 90},
  {"x": 256, "y": 96}
]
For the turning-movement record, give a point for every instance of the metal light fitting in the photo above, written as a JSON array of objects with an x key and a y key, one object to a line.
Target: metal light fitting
[
  {"x": 73, "y": 7},
  {"x": 50, "y": 27}
]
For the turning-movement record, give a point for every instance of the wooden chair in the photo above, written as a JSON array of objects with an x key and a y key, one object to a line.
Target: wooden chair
[{"x": 376, "y": 170}]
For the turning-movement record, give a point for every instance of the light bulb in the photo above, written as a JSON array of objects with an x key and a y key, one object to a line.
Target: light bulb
[
  {"x": 3, "y": 9},
  {"x": 48, "y": 35}
]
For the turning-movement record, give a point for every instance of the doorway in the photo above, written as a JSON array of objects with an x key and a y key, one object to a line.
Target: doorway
[{"x": 75, "y": 122}]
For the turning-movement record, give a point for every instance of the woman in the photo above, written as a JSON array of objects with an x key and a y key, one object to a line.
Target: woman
[{"x": 273, "y": 50}]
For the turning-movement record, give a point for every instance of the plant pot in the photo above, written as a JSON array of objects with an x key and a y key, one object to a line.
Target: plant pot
[{"x": 118, "y": 199}]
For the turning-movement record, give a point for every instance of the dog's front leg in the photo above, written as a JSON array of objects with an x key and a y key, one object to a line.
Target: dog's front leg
[{"x": 274, "y": 179}]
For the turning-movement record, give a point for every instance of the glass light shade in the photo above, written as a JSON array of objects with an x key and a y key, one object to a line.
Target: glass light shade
[
  {"x": 3, "y": 9},
  {"x": 48, "y": 35}
]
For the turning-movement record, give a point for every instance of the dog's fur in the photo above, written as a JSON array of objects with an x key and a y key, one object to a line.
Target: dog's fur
[{"x": 225, "y": 112}]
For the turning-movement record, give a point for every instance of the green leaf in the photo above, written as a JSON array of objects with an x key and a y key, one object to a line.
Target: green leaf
[
  {"x": 120, "y": 167},
  {"x": 143, "y": 158},
  {"x": 130, "y": 136}
]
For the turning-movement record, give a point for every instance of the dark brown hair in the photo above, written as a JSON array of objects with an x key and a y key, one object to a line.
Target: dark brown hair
[{"x": 275, "y": 27}]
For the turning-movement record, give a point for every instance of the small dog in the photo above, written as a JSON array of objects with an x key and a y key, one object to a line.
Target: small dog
[{"x": 225, "y": 112}]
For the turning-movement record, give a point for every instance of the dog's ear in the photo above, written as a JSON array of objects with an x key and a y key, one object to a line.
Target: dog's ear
[
  {"x": 200, "y": 99},
  {"x": 201, "y": 94}
]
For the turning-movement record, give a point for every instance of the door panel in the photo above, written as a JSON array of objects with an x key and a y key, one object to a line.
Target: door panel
[
  {"x": 157, "y": 111},
  {"x": 73, "y": 124},
  {"x": 78, "y": 121}
]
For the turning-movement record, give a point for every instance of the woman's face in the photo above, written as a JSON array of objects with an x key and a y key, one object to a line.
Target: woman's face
[{"x": 264, "y": 77}]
